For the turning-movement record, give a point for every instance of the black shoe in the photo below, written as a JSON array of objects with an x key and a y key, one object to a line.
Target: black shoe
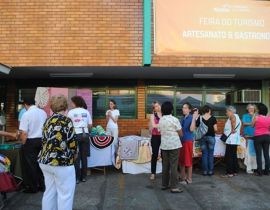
[
  {"x": 41, "y": 189},
  {"x": 84, "y": 180},
  {"x": 266, "y": 172},
  {"x": 29, "y": 191},
  {"x": 77, "y": 181}
]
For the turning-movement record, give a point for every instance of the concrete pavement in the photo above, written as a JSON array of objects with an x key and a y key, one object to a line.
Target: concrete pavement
[{"x": 118, "y": 191}]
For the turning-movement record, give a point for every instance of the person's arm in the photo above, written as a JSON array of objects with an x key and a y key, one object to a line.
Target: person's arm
[
  {"x": 114, "y": 119},
  {"x": 180, "y": 132},
  {"x": 152, "y": 122},
  {"x": 193, "y": 122},
  {"x": 254, "y": 120},
  {"x": 233, "y": 123},
  {"x": 72, "y": 141},
  {"x": 23, "y": 129},
  {"x": 90, "y": 122},
  {"x": 215, "y": 128}
]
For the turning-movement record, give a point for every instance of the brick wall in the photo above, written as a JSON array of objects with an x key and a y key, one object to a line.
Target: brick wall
[
  {"x": 211, "y": 61},
  {"x": 71, "y": 33}
]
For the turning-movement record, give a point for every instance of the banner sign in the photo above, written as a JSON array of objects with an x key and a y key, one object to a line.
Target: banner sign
[{"x": 212, "y": 26}]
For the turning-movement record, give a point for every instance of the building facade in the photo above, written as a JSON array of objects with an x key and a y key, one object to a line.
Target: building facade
[{"x": 109, "y": 46}]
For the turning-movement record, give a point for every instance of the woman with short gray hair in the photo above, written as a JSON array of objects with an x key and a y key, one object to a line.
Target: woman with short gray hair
[
  {"x": 232, "y": 131},
  {"x": 57, "y": 157}
]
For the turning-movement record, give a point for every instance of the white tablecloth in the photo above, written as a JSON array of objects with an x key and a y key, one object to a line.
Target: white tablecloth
[
  {"x": 133, "y": 168},
  {"x": 101, "y": 157}
]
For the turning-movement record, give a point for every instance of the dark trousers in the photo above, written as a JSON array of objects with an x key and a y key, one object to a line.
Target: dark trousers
[
  {"x": 231, "y": 159},
  {"x": 32, "y": 174},
  {"x": 261, "y": 143},
  {"x": 81, "y": 162},
  {"x": 155, "y": 143},
  {"x": 169, "y": 168}
]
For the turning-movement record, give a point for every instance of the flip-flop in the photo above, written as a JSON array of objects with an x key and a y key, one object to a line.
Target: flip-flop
[
  {"x": 227, "y": 176},
  {"x": 178, "y": 190}
]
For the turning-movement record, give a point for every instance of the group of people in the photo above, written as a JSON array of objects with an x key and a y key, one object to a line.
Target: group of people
[
  {"x": 175, "y": 139},
  {"x": 55, "y": 148}
]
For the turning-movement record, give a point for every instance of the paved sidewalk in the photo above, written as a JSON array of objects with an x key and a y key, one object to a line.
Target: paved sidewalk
[{"x": 118, "y": 191}]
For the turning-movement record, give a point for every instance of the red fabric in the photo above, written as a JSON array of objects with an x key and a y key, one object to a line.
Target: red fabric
[
  {"x": 7, "y": 183},
  {"x": 185, "y": 155}
]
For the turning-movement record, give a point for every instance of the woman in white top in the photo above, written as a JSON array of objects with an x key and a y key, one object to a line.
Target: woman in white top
[
  {"x": 82, "y": 122},
  {"x": 112, "y": 116},
  {"x": 232, "y": 130}
]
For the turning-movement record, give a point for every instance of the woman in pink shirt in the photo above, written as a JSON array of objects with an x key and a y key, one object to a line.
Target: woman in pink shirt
[{"x": 262, "y": 138}]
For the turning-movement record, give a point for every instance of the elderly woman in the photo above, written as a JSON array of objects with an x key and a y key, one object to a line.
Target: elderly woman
[
  {"x": 247, "y": 120},
  {"x": 232, "y": 131},
  {"x": 170, "y": 129},
  {"x": 57, "y": 157},
  {"x": 261, "y": 138}
]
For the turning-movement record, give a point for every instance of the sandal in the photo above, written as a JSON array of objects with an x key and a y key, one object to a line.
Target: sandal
[
  {"x": 227, "y": 176},
  {"x": 152, "y": 177},
  {"x": 177, "y": 190}
]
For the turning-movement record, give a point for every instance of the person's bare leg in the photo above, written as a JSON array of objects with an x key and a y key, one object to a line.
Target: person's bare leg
[
  {"x": 189, "y": 174},
  {"x": 183, "y": 173}
]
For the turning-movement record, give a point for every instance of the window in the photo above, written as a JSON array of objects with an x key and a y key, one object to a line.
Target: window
[
  {"x": 125, "y": 99},
  {"x": 195, "y": 98},
  {"x": 216, "y": 100},
  {"x": 158, "y": 95}
]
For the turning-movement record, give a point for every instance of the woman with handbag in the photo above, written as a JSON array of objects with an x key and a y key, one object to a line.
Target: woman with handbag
[
  {"x": 82, "y": 122},
  {"x": 208, "y": 141},
  {"x": 232, "y": 138},
  {"x": 156, "y": 137}
]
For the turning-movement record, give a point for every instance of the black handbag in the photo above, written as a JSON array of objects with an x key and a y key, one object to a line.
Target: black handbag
[{"x": 224, "y": 137}]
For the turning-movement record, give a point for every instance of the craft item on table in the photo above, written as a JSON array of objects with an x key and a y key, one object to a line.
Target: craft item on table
[
  {"x": 129, "y": 149},
  {"x": 86, "y": 94},
  {"x": 100, "y": 131},
  {"x": 42, "y": 97},
  {"x": 241, "y": 149},
  {"x": 4, "y": 164},
  {"x": 144, "y": 154},
  {"x": 197, "y": 151},
  {"x": 94, "y": 131},
  {"x": 101, "y": 142}
]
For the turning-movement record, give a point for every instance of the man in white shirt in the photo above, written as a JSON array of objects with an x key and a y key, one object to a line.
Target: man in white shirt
[{"x": 31, "y": 126}]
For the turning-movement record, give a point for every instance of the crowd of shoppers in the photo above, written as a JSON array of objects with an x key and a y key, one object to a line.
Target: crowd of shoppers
[{"x": 174, "y": 137}]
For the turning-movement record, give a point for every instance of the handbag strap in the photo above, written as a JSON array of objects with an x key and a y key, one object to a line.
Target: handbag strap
[{"x": 234, "y": 129}]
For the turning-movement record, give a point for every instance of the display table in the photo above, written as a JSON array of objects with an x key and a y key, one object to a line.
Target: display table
[
  {"x": 135, "y": 168},
  {"x": 220, "y": 148},
  {"x": 14, "y": 155},
  {"x": 137, "y": 160},
  {"x": 101, "y": 157}
]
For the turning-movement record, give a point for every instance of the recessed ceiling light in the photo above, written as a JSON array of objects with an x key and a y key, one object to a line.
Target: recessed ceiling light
[
  {"x": 71, "y": 75},
  {"x": 214, "y": 76}
]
